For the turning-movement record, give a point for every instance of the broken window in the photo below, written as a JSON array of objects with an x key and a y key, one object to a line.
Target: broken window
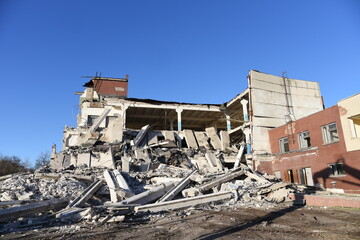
[
  {"x": 336, "y": 169},
  {"x": 91, "y": 120},
  {"x": 284, "y": 144},
  {"x": 304, "y": 140},
  {"x": 330, "y": 133}
]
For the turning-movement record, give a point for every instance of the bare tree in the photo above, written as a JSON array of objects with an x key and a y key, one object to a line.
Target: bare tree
[
  {"x": 11, "y": 164},
  {"x": 42, "y": 160}
]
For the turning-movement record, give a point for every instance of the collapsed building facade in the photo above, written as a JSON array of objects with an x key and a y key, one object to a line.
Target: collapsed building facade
[{"x": 236, "y": 130}]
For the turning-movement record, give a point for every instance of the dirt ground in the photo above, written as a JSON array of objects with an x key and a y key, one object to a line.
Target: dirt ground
[{"x": 242, "y": 223}]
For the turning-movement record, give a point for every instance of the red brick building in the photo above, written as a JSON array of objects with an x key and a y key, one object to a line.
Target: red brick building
[{"x": 312, "y": 150}]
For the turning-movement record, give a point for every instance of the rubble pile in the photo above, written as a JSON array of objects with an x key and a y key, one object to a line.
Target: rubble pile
[
  {"x": 27, "y": 187},
  {"x": 148, "y": 178}
]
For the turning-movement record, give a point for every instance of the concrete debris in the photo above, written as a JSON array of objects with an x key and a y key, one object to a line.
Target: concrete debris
[{"x": 148, "y": 173}]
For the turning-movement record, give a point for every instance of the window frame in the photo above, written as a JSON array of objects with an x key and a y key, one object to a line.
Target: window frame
[
  {"x": 335, "y": 169},
  {"x": 282, "y": 145},
  {"x": 327, "y": 133},
  {"x": 302, "y": 140}
]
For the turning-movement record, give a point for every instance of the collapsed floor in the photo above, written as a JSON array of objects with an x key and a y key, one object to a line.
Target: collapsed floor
[{"x": 148, "y": 178}]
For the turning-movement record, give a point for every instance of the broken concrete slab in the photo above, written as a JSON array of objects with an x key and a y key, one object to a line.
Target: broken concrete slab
[
  {"x": 214, "y": 138},
  {"x": 184, "y": 203},
  {"x": 256, "y": 177},
  {"x": 168, "y": 135},
  {"x": 83, "y": 159},
  {"x": 278, "y": 196},
  {"x": 213, "y": 161},
  {"x": 202, "y": 139},
  {"x": 190, "y": 139},
  {"x": 125, "y": 163},
  {"x": 225, "y": 140},
  {"x": 140, "y": 136},
  {"x": 121, "y": 182},
  {"x": 114, "y": 132}
]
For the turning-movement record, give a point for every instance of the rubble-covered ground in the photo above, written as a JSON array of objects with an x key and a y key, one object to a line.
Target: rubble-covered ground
[
  {"x": 162, "y": 191},
  {"x": 280, "y": 222}
]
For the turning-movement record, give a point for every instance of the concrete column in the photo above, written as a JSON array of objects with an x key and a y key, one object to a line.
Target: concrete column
[
  {"x": 124, "y": 108},
  {"x": 248, "y": 140},
  {"x": 228, "y": 123},
  {"x": 179, "y": 110},
  {"x": 171, "y": 124},
  {"x": 244, "y": 103}
]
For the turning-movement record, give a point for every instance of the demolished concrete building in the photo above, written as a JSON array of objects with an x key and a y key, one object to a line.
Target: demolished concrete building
[{"x": 109, "y": 119}]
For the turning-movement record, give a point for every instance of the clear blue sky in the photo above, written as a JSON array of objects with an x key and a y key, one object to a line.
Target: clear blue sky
[{"x": 190, "y": 50}]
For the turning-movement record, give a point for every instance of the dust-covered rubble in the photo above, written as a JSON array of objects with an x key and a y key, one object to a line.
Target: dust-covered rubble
[{"x": 148, "y": 179}]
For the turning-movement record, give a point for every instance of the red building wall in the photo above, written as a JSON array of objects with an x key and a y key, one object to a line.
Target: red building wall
[
  {"x": 111, "y": 87},
  {"x": 319, "y": 155}
]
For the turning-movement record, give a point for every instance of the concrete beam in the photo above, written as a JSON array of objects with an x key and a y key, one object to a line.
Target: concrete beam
[
  {"x": 184, "y": 203},
  {"x": 122, "y": 183},
  {"x": 110, "y": 181},
  {"x": 176, "y": 189},
  {"x": 216, "y": 182},
  {"x": 30, "y": 209},
  {"x": 80, "y": 200},
  {"x": 239, "y": 156},
  {"x": 209, "y": 108},
  {"x": 145, "y": 197},
  {"x": 99, "y": 120}
]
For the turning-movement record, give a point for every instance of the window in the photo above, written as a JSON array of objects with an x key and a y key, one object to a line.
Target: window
[
  {"x": 91, "y": 120},
  {"x": 109, "y": 120},
  {"x": 304, "y": 140},
  {"x": 284, "y": 144},
  {"x": 330, "y": 133},
  {"x": 355, "y": 126},
  {"x": 337, "y": 169}
]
